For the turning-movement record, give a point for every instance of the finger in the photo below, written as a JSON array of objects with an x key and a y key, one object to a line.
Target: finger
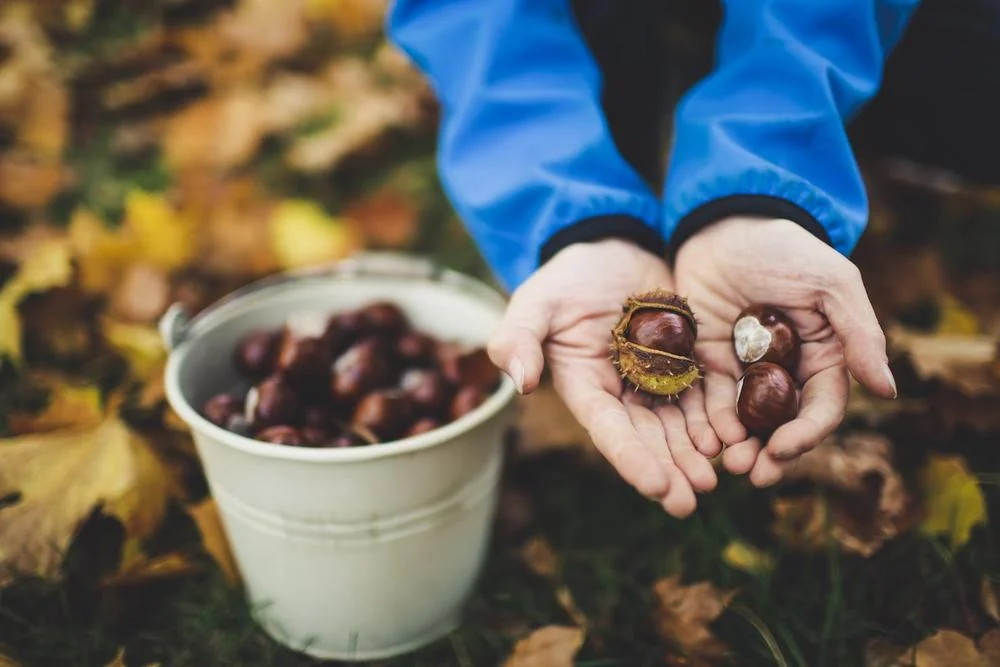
[
  {"x": 739, "y": 459},
  {"x": 851, "y": 315},
  {"x": 822, "y": 407},
  {"x": 679, "y": 500},
  {"x": 720, "y": 403},
  {"x": 516, "y": 346},
  {"x": 692, "y": 404},
  {"x": 610, "y": 428},
  {"x": 767, "y": 471},
  {"x": 696, "y": 468}
]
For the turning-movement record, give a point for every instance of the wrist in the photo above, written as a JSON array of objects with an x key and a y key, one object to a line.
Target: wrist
[{"x": 616, "y": 231}]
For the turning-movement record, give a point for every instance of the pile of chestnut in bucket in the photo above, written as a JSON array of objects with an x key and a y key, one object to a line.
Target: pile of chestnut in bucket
[
  {"x": 653, "y": 346},
  {"x": 368, "y": 377}
]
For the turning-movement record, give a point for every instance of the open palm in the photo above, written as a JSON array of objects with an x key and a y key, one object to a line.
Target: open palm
[
  {"x": 564, "y": 315},
  {"x": 741, "y": 261}
]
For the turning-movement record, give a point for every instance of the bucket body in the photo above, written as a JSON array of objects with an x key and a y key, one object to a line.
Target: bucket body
[{"x": 360, "y": 553}]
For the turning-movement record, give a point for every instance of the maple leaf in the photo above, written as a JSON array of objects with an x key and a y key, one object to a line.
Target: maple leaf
[
  {"x": 58, "y": 477},
  {"x": 683, "y": 615},
  {"x": 303, "y": 235},
  {"x": 45, "y": 267},
  {"x": 954, "y": 500},
  {"x": 550, "y": 646}
]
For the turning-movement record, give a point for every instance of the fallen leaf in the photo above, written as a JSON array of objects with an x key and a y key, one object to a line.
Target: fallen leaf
[
  {"x": 142, "y": 294},
  {"x": 869, "y": 504},
  {"x": 539, "y": 557},
  {"x": 213, "y": 536},
  {"x": 303, "y": 235},
  {"x": 551, "y": 646},
  {"x": 989, "y": 644},
  {"x": 119, "y": 660},
  {"x": 956, "y": 319},
  {"x": 140, "y": 344},
  {"x": 220, "y": 132},
  {"x": 100, "y": 254},
  {"x": 741, "y": 555},
  {"x": 46, "y": 267},
  {"x": 988, "y": 599},
  {"x": 683, "y": 615},
  {"x": 143, "y": 570},
  {"x": 30, "y": 183},
  {"x": 59, "y": 477},
  {"x": 70, "y": 405},
  {"x": 945, "y": 648},
  {"x": 962, "y": 361},
  {"x": 164, "y": 235},
  {"x": 388, "y": 217},
  {"x": 352, "y": 19},
  {"x": 954, "y": 500}
]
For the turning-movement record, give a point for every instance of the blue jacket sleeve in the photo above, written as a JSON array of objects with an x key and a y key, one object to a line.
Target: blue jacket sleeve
[
  {"x": 764, "y": 134},
  {"x": 524, "y": 151}
]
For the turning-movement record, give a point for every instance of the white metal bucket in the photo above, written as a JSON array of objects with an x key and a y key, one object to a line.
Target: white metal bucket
[{"x": 360, "y": 553}]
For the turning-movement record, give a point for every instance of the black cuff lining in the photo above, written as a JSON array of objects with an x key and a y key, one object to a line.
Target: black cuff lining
[
  {"x": 603, "y": 227},
  {"x": 748, "y": 205}
]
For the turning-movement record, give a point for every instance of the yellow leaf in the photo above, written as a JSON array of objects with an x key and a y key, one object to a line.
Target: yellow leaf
[
  {"x": 142, "y": 569},
  {"x": 213, "y": 537},
  {"x": 100, "y": 253},
  {"x": 956, "y": 319},
  {"x": 954, "y": 502},
  {"x": 744, "y": 556},
  {"x": 49, "y": 265},
  {"x": 69, "y": 406},
  {"x": 59, "y": 477},
  {"x": 163, "y": 235},
  {"x": 140, "y": 344},
  {"x": 302, "y": 235}
]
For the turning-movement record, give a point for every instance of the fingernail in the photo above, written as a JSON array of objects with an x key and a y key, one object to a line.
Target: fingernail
[
  {"x": 892, "y": 381},
  {"x": 516, "y": 373}
]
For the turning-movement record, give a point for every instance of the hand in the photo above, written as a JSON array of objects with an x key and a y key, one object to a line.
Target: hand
[
  {"x": 568, "y": 309},
  {"x": 740, "y": 261}
]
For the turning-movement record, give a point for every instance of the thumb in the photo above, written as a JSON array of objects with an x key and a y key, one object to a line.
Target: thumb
[
  {"x": 852, "y": 317},
  {"x": 516, "y": 346}
]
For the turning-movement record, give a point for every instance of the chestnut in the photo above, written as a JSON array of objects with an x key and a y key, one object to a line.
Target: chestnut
[
  {"x": 316, "y": 436},
  {"x": 427, "y": 388},
  {"x": 764, "y": 333},
  {"x": 343, "y": 330},
  {"x": 220, "y": 409},
  {"x": 383, "y": 317},
  {"x": 281, "y": 435},
  {"x": 766, "y": 398},
  {"x": 273, "y": 401},
  {"x": 319, "y": 416},
  {"x": 415, "y": 348},
  {"x": 345, "y": 439},
  {"x": 387, "y": 413},
  {"x": 302, "y": 357},
  {"x": 364, "y": 366},
  {"x": 255, "y": 354},
  {"x": 423, "y": 426},
  {"x": 466, "y": 400},
  {"x": 467, "y": 367},
  {"x": 662, "y": 330}
]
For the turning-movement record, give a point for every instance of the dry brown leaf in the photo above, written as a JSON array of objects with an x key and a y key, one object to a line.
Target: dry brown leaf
[
  {"x": 871, "y": 505},
  {"x": 61, "y": 476},
  {"x": 945, "y": 648},
  {"x": 142, "y": 295},
  {"x": 387, "y": 217},
  {"x": 988, "y": 599},
  {"x": 29, "y": 183},
  {"x": 352, "y": 19},
  {"x": 551, "y": 646},
  {"x": 962, "y": 361},
  {"x": 145, "y": 570},
  {"x": 213, "y": 536},
  {"x": 539, "y": 557},
  {"x": 119, "y": 660},
  {"x": 683, "y": 615},
  {"x": 8, "y": 662},
  {"x": 989, "y": 644},
  {"x": 70, "y": 405},
  {"x": 220, "y": 132}
]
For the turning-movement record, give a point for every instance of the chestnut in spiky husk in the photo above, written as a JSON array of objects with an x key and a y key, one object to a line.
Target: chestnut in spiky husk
[
  {"x": 764, "y": 333},
  {"x": 653, "y": 343}
]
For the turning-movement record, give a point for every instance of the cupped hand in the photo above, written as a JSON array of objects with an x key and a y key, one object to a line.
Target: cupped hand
[
  {"x": 564, "y": 315},
  {"x": 739, "y": 261}
]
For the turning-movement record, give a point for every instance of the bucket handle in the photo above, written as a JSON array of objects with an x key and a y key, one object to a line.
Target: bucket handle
[{"x": 176, "y": 323}]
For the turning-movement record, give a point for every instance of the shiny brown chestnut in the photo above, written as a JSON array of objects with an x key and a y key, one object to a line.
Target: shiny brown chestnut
[
  {"x": 220, "y": 409},
  {"x": 427, "y": 388},
  {"x": 766, "y": 398},
  {"x": 343, "y": 330},
  {"x": 273, "y": 401},
  {"x": 364, "y": 366},
  {"x": 281, "y": 435},
  {"x": 387, "y": 413},
  {"x": 384, "y": 317},
  {"x": 415, "y": 348},
  {"x": 467, "y": 367},
  {"x": 662, "y": 330},
  {"x": 302, "y": 358},
  {"x": 764, "y": 333},
  {"x": 255, "y": 355},
  {"x": 466, "y": 400},
  {"x": 423, "y": 426}
]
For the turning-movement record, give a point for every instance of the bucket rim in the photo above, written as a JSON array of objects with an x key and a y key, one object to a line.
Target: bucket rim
[{"x": 500, "y": 399}]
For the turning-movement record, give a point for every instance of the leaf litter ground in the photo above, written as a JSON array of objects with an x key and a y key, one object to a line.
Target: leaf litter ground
[{"x": 175, "y": 151}]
